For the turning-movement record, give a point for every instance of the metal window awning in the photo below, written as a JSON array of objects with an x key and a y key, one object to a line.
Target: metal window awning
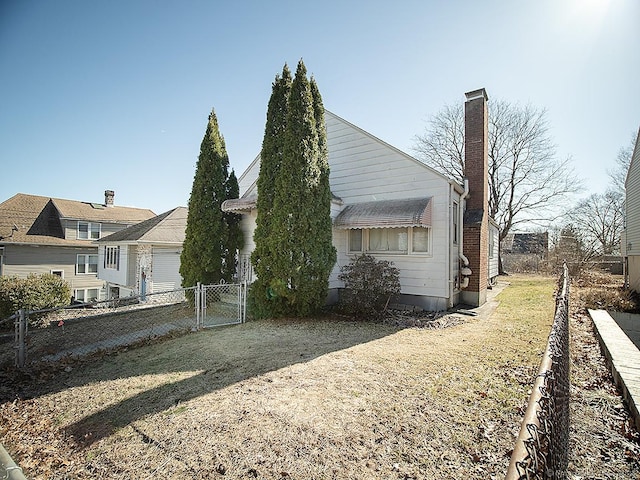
[
  {"x": 412, "y": 212},
  {"x": 240, "y": 205}
]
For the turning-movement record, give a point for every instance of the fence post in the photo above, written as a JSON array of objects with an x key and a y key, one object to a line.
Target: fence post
[
  {"x": 20, "y": 337},
  {"x": 197, "y": 294},
  {"x": 243, "y": 289}
]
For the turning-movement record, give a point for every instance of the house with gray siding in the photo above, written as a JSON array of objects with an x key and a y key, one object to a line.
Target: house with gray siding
[
  {"x": 52, "y": 235},
  {"x": 143, "y": 258},
  {"x": 630, "y": 241},
  {"x": 390, "y": 205}
]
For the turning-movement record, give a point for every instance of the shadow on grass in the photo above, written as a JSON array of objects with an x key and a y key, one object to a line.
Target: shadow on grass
[{"x": 222, "y": 357}]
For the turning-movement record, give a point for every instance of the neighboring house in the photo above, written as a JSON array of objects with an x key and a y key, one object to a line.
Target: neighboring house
[
  {"x": 143, "y": 258},
  {"x": 388, "y": 204},
  {"x": 630, "y": 240},
  {"x": 52, "y": 235},
  {"x": 525, "y": 251}
]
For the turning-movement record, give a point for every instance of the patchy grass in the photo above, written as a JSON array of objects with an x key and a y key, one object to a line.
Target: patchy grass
[{"x": 324, "y": 398}]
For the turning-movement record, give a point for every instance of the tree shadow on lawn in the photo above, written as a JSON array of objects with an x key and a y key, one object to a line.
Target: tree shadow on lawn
[{"x": 222, "y": 356}]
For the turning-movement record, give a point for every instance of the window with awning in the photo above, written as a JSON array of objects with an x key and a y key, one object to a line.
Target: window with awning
[
  {"x": 388, "y": 226},
  {"x": 413, "y": 212}
]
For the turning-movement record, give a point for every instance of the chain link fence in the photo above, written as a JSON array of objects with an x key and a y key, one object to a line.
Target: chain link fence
[
  {"x": 542, "y": 448},
  {"x": 84, "y": 329}
]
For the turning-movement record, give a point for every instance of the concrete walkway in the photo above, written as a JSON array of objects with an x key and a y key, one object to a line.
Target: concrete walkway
[{"x": 622, "y": 355}]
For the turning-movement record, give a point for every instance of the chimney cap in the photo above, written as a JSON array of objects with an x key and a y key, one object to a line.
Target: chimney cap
[{"x": 474, "y": 94}]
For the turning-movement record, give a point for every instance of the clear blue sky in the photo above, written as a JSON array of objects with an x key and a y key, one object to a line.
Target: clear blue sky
[{"x": 115, "y": 94}]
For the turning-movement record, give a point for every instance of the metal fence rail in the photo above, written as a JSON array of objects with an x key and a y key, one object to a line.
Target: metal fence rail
[
  {"x": 79, "y": 330},
  {"x": 542, "y": 448}
]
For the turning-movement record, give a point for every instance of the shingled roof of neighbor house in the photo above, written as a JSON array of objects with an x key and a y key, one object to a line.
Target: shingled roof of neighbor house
[
  {"x": 168, "y": 227},
  {"x": 34, "y": 219}
]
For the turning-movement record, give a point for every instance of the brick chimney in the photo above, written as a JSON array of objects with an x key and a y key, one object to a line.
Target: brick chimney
[
  {"x": 108, "y": 198},
  {"x": 476, "y": 215}
]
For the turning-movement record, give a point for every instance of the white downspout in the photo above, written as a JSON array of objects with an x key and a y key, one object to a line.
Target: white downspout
[
  {"x": 465, "y": 261},
  {"x": 449, "y": 273}
]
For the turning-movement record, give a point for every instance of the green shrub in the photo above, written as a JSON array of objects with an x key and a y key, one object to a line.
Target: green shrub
[
  {"x": 36, "y": 292},
  {"x": 369, "y": 285}
]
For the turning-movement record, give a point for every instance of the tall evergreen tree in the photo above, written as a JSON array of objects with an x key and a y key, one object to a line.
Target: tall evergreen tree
[
  {"x": 300, "y": 217},
  {"x": 264, "y": 302},
  {"x": 211, "y": 237},
  {"x": 324, "y": 252}
]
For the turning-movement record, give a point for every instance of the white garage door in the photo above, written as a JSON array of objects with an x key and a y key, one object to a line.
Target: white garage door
[{"x": 166, "y": 269}]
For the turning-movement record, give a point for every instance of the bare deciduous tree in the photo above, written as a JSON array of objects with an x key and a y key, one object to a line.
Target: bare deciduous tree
[
  {"x": 600, "y": 219},
  {"x": 526, "y": 181},
  {"x": 618, "y": 174}
]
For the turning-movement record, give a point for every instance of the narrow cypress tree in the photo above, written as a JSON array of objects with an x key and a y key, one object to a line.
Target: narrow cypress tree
[
  {"x": 264, "y": 302},
  {"x": 301, "y": 271},
  {"x": 324, "y": 253},
  {"x": 206, "y": 252}
]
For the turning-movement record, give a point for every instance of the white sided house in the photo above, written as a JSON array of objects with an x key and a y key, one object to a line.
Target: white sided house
[
  {"x": 144, "y": 258},
  {"x": 630, "y": 241},
  {"x": 394, "y": 207}
]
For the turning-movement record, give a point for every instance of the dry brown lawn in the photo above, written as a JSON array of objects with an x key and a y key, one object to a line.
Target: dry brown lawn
[{"x": 300, "y": 399}]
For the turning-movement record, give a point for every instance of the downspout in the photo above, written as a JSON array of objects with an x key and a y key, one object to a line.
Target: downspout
[
  {"x": 449, "y": 273},
  {"x": 465, "y": 261}
]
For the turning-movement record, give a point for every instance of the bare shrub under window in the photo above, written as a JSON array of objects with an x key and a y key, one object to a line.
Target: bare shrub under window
[{"x": 369, "y": 286}]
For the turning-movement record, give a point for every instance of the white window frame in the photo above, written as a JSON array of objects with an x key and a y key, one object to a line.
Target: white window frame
[
  {"x": 365, "y": 245},
  {"x": 455, "y": 222},
  {"x": 349, "y": 232},
  {"x": 56, "y": 271},
  {"x": 112, "y": 257},
  {"x": 94, "y": 231},
  {"x": 84, "y": 259},
  {"x": 85, "y": 294}
]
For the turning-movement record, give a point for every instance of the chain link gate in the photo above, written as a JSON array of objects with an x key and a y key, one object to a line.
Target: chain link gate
[{"x": 222, "y": 304}]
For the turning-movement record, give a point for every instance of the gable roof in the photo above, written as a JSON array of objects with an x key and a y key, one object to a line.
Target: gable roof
[
  {"x": 35, "y": 219},
  {"x": 168, "y": 227},
  {"x": 248, "y": 178}
]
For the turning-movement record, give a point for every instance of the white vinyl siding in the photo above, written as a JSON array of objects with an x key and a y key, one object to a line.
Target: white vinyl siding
[
  {"x": 365, "y": 169},
  {"x": 632, "y": 210}
]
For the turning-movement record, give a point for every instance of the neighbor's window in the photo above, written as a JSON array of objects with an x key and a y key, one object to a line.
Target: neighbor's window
[
  {"x": 86, "y": 295},
  {"x": 112, "y": 258},
  {"x": 355, "y": 240},
  {"x": 88, "y": 231},
  {"x": 59, "y": 273},
  {"x": 87, "y": 264},
  {"x": 393, "y": 240}
]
